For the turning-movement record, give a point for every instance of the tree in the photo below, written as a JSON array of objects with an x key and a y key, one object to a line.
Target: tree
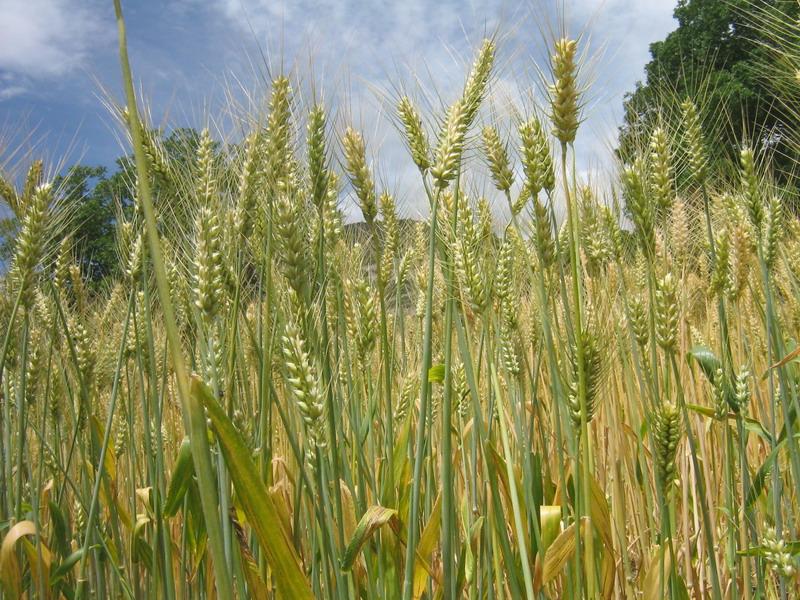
[
  {"x": 716, "y": 56},
  {"x": 93, "y": 197},
  {"x": 93, "y": 200}
]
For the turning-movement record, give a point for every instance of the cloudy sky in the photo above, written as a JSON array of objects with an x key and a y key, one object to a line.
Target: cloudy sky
[{"x": 195, "y": 59}]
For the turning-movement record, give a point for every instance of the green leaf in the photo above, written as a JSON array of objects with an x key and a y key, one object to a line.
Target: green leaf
[
  {"x": 792, "y": 548},
  {"x": 66, "y": 566},
  {"x": 255, "y": 501},
  {"x": 141, "y": 552},
  {"x": 748, "y": 423},
  {"x": 754, "y": 426},
  {"x": 61, "y": 534},
  {"x": 760, "y": 480},
  {"x": 436, "y": 373},
  {"x": 706, "y": 411},
  {"x": 373, "y": 519},
  {"x": 708, "y": 361},
  {"x": 181, "y": 478}
]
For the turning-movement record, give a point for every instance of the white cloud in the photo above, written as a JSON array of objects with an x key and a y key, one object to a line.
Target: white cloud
[
  {"x": 8, "y": 92},
  {"x": 12, "y": 85},
  {"x": 48, "y": 38}
]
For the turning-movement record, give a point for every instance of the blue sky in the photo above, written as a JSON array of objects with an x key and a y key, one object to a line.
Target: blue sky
[{"x": 195, "y": 59}]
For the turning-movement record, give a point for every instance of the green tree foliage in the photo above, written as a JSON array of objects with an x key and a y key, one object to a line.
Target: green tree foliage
[
  {"x": 90, "y": 197},
  {"x": 94, "y": 197},
  {"x": 720, "y": 57}
]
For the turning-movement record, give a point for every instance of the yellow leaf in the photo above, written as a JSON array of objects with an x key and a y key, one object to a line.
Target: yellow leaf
[
  {"x": 40, "y": 569},
  {"x": 348, "y": 510},
  {"x": 110, "y": 464},
  {"x": 256, "y": 586},
  {"x": 9, "y": 566},
  {"x": 557, "y": 555},
  {"x": 400, "y": 451},
  {"x": 427, "y": 543},
  {"x": 654, "y": 585},
  {"x": 550, "y": 523},
  {"x": 788, "y": 358},
  {"x": 601, "y": 516},
  {"x": 609, "y": 573},
  {"x": 280, "y": 499},
  {"x": 262, "y": 515},
  {"x": 373, "y": 519}
]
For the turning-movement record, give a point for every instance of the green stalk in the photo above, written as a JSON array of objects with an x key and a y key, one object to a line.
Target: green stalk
[
  {"x": 21, "y": 418},
  {"x": 193, "y": 416},
  {"x": 584, "y": 447},
  {"x": 158, "y": 483},
  {"x": 448, "y": 482},
  {"x": 699, "y": 482},
  {"x": 512, "y": 481},
  {"x": 386, "y": 357},
  {"x": 100, "y": 471},
  {"x": 733, "y": 509},
  {"x": 332, "y": 412},
  {"x": 42, "y": 434},
  {"x": 7, "y": 339},
  {"x": 419, "y": 454}
]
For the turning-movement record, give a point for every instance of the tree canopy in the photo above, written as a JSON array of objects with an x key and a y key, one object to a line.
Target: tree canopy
[
  {"x": 719, "y": 57},
  {"x": 94, "y": 197}
]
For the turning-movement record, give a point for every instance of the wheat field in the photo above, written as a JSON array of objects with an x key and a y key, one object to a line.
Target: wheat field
[{"x": 595, "y": 397}]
